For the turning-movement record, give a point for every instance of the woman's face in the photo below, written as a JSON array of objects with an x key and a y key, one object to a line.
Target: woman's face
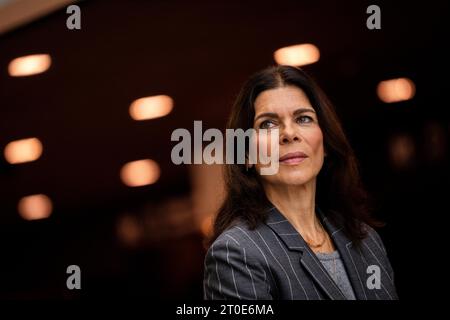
[{"x": 301, "y": 151}]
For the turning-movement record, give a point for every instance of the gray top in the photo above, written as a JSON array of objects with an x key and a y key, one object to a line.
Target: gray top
[{"x": 333, "y": 264}]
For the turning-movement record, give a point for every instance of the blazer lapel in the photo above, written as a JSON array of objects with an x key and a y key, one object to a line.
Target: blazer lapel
[
  {"x": 353, "y": 261},
  {"x": 294, "y": 241}
]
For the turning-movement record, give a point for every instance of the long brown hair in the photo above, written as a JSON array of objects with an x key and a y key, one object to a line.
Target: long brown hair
[{"x": 339, "y": 193}]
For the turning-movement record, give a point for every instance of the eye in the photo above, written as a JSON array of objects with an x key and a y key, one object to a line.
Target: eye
[
  {"x": 305, "y": 119},
  {"x": 266, "y": 124}
]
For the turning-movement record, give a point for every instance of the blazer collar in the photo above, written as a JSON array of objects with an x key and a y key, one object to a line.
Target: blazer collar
[{"x": 350, "y": 255}]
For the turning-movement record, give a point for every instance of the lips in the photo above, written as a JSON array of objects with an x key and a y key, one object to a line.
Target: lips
[{"x": 293, "y": 157}]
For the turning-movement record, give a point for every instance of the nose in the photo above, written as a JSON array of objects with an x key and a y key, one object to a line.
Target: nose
[{"x": 289, "y": 134}]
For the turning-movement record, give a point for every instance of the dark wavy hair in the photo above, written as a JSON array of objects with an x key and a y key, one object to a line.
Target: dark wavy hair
[{"x": 339, "y": 194}]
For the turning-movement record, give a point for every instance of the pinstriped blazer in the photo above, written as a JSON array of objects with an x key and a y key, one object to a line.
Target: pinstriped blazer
[{"x": 273, "y": 261}]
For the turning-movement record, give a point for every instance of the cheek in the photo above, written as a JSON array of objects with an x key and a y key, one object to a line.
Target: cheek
[
  {"x": 264, "y": 140},
  {"x": 315, "y": 141}
]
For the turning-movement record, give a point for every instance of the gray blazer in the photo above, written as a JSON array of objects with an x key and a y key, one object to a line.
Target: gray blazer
[{"x": 274, "y": 262}]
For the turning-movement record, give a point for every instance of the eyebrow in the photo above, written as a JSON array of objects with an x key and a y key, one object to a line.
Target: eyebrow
[{"x": 275, "y": 115}]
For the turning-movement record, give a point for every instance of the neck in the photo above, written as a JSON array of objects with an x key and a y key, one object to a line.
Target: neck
[{"x": 297, "y": 204}]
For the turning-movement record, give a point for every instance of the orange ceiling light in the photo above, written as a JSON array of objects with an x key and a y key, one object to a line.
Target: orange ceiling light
[
  {"x": 151, "y": 107},
  {"x": 297, "y": 55},
  {"x": 29, "y": 65},
  {"x": 140, "y": 173},
  {"x": 396, "y": 90},
  {"x": 35, "y": 207},
  {"x": 24, "y": 150}
]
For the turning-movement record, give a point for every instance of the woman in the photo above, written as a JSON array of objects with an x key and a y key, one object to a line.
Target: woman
[{"x": 304, "y": 232}]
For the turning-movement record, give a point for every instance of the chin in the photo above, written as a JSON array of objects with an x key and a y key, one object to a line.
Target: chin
[{"x": 294, "y": 178}]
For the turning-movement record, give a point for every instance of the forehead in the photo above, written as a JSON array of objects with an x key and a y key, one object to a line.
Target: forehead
[{"x": 281, "y": 100}]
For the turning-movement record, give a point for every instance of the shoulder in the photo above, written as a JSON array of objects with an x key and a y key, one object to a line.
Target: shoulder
[
  {"x": 240, "y": 237},
  {"x": 373, "y": 239},
  {"x": 375, "y": 251},
  {"x": 234, "y": 266}
]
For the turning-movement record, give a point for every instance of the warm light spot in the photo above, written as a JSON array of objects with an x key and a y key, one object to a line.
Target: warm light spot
[
  {"x": 151, "y": 107},
  {"x": 402, "y": 150},
  {"x": 29, "y": 65},
  {"x": 34, "y": 207},
  {"x": 24, "y": 150},
  {"x": 129, "y": 230},
  {"x": 396, "y": 90},
  {"x": 140, "y": 173},
  {"x": 207, "y": 226},
  {"x": 297, "y": 55}
]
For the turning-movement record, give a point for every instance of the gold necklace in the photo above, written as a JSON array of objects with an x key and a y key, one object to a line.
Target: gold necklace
[{"x": 319, "y": 244}]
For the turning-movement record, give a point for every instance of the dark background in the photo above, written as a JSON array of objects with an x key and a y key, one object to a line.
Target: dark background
[{"x": 199, "y": 53}]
